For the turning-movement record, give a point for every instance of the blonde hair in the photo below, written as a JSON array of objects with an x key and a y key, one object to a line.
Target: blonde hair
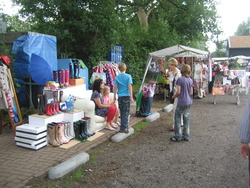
[
  {"x": 186, "y": 70},
  {"x": 173, "y": 61},
  {"x": 122, "y": 67},
  {"x": 105, "y": 89}
]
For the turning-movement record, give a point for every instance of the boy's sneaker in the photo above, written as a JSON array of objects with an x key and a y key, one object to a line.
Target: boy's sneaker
[{"x": 124, "y": 131}]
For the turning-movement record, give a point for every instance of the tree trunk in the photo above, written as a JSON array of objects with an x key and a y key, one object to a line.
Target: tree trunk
[{"x": 143, "y": 18}]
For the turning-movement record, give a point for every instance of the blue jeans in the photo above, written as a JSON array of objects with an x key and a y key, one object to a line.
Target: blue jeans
[
  {"x": 182, "y": 110},
  {"x": 124, "y": 106}
]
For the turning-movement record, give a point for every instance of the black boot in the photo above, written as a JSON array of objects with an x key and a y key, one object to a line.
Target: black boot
[
  {"x": 78, "y": 132},
  {"x": 76, "y": 69},
  {"x": 71, "y": 70},
  {"x": 39, "y": 105},
  {"x": 87, "y": 122},
  {"x": 83, "y": 129}
]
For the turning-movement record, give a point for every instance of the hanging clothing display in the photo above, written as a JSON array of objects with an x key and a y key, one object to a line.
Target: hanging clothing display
[
  {"x": 6, "y": 91},
  {"x": 107, "y": 71},
  {"x": 148, "y": 91}
]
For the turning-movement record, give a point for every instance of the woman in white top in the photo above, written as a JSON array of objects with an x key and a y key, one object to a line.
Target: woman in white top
[{"x": 174, "y": 74}]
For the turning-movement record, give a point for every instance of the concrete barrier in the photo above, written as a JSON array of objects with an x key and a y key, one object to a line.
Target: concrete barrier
[
  {"x": 168, "y": 108},
  {"x": 67, "y": 166},
  {"x": 152, "y": 117},
  {"x": 121, "y": 136}
]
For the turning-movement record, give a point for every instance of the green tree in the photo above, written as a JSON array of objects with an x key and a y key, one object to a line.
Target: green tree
[
  {"x": 15, "y": 24},
  {"x": 243, "y": 28},
  {"x": 87, "y": 29}
]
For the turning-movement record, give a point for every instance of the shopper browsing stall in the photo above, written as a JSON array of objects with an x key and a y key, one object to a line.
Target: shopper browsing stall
[
  {"x": 184, "y": 94},
  {"x": 174, "y": 75}
]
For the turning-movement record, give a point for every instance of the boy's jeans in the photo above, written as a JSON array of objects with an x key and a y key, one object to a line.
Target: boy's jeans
[
  {"x": 124, "y": 106},
  {"x": 182, "y": 110}
]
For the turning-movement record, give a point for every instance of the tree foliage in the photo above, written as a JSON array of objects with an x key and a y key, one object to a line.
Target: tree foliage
[
  {"x": 243, "y": 28},
  {"x": 87, "y": 29}
]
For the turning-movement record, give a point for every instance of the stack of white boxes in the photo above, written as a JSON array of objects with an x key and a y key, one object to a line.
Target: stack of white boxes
[
  {"x": 34, "y": 134},
  {"x": 31, "y": 136}
]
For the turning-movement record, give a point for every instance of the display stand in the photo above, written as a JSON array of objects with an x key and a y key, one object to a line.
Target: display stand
[{"x": 16, "y": 104}]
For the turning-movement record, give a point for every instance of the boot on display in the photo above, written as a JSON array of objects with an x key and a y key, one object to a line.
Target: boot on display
[
  {"x": 61, "y": 133},
  {"x": 87, "y": 122},
  {"x": 57, "y": 138},
  {"x": 52, "y": 135},
  {"x": 67, "y": 130},
  {"x": 71, "y": 70}
]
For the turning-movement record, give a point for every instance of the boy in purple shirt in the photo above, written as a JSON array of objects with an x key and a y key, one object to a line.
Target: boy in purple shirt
[{"x": 184, "y": 94}]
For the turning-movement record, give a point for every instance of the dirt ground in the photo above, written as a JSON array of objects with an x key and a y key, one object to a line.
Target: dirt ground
[{"x": 148, "y": 159}]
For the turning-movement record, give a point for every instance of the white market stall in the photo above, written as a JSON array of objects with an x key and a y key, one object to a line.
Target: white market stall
[
  {"x": 174, "y": 51},
  {"x": 152, "y": 72}
]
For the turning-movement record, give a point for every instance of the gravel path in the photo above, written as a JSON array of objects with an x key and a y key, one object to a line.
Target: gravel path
[{"x": 148, "y": 159}]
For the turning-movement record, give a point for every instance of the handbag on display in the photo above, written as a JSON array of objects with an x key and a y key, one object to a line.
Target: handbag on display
[{"x": 98, "y": 74}]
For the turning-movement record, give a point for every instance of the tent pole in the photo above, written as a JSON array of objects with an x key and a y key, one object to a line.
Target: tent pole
[
  {"x": 30, "y": 94},
  {"x": 146, "y": 71}
]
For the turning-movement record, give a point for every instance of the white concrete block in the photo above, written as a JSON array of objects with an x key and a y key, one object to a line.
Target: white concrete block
[
  {"x": 68, "y": 165},
  {"x": 152, "y": 117},
  {"x": 121, "y": 136},
  {"x": 168, "y": 108}
]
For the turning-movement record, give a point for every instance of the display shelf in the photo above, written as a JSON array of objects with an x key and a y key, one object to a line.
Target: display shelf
[
  {"x": 77, "y": 91},
  {"x": 43, "y": 120}
]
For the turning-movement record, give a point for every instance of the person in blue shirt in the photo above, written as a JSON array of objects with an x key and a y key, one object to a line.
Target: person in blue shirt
[
  {"x": 244, "y": 134},
  {"x": 123, "y": 88},
  {"x": 184, "y": 93},
  {"x": 244, "y": 131}
]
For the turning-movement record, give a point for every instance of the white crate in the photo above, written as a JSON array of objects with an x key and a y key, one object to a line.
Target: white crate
[
  {"x": 31, "y": 128},
  {"x": 30, "y": 142},
  {"x": 37, "y": 147}
]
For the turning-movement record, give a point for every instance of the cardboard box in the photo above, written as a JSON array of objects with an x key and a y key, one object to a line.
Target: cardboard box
[{"x": 76, "y": 82}]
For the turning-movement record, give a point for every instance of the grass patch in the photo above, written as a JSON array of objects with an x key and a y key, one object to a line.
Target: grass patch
[
  {"x": 76, "y": 175},
  {"x": 93, "y": 156},
  {"x": 140, "y": 125}
]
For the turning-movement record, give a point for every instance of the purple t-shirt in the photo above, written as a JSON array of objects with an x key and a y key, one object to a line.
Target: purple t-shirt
[{"x": 185, "y": 83}]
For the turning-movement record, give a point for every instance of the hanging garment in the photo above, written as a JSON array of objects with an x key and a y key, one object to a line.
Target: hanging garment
[
  {"x": 198, "y": 72},
  {"x": 5, "y": 86},
  {"x": 109, "y": 80}
]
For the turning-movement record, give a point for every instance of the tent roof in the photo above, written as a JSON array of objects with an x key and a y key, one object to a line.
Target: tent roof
[
  {"x": 176, "y": 49},
  {"x": 188, "y": 54}
]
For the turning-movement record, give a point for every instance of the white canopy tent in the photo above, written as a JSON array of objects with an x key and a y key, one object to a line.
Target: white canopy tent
[
  {"x": 171, "y": 51},
  {"x": 174, "y": 51}
]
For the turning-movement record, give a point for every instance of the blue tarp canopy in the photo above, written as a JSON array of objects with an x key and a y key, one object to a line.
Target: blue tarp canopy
[{"x": 33, "y": 43}]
